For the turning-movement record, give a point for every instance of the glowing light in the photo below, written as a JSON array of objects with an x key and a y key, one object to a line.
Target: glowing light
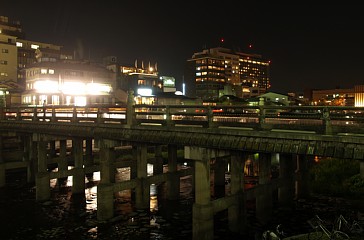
[
  {"x": 145, "y": 91},
  {"x": 222, "y": 40},
  {"x": 73, "y": 88},
  {"x": 46, "y": 86},
  {"x": 97, "y": 88}
]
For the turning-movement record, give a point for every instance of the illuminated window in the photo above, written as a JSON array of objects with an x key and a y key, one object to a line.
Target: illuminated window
[
  {"x": 4, "y": 50},
  {"x": 34, "y": 46},
  {"x": 19, "y": 44},
  {"x": 43, "y": 71},
  {"x": 51, "y": 71}
]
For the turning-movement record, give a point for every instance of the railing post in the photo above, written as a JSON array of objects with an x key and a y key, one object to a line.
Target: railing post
[
  {"x": 168, "y": 116},
  {"x": 74, "y": 115},
  {"x": 54, "y": 117},
  {"x": 130, "y": 109},
  {"x": 327, "y": 121},
  {"x": 261, "y": 116},
  {"x": 210, "y": 117},
  {"x": 18, "y": 114},
  {"x": 99, "y": 115},
  {"x": 35, "y": 114}
]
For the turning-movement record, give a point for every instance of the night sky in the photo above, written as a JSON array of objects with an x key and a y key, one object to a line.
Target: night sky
[{"x": 310, "y": 46}]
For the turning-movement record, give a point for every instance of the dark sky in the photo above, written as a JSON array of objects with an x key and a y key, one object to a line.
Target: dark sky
[{"x": 310, "y": 46}]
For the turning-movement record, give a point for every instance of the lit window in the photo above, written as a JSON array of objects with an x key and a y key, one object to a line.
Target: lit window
[
  {"x": 43, "y": 71},
  {"x": 34, "y": 46},
  {"x": 19, "y": 44},
  {"x": 51, "y": 71}
]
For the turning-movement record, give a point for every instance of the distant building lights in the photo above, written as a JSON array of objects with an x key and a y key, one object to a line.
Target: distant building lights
[{"x": 144, "y": 91}]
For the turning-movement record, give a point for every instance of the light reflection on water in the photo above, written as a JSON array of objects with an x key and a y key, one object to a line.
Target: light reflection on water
[{"x": 123, "y": 198}]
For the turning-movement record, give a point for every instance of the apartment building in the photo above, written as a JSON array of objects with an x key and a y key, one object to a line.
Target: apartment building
[{"x": 208, "y": 73}]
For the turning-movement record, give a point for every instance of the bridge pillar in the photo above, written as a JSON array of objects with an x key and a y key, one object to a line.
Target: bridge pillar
[
  {"x": 78, "y": 185},
  {"x": 26, "y": 157},
  {"x": 43, "y": 192},
  {"x": 264, "y": 200},
  {"x": 237, "y": 212},
  {"x": 202, "y": 212},
  {"x": 105, "y": 201},
  {"x": 286, "y": 172},
  {"x": 142, "y": 193},
  {"x": 62, "y": 163},
  {"x": 173, "y": 183},
  {"x": 107, "y": 157},
  {"x": 105, "y": 189},
  {"x": 52, "y": 148},
  {"x": 158, "y": 163},
  {"x": 89, "y": 161},
  {"x": 202, "y": 209},
  {"x": 302, "y": 189},
  {"x": 33, "y": 162},
  {"x": 219, "y": 176}
]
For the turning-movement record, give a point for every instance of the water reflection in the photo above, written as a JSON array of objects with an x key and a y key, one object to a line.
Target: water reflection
[{"x": 123, "y": 198}]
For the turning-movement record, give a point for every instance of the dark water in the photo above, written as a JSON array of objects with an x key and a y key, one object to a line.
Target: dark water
[{"x": 68, "y": 216}]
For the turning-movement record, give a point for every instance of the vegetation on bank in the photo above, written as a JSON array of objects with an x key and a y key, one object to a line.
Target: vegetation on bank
[{"x": 336, "y": 177}]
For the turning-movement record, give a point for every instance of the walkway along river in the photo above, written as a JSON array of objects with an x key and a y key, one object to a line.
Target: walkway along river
[{"x": 68, "y": 216}]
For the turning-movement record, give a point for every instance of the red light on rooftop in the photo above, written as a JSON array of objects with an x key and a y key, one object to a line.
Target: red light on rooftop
[
  {"x": 250, "y": 45},
  {"x": 222, "y": 40}
]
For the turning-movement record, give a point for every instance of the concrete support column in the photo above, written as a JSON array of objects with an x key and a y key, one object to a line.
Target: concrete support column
[
  {"x": 264, "y": 201},
  {"x": 33, "y": 164},
  {"x": 158, "y": 164},
  {"x": 78, "y": 185},
  {"x": 107, "y": 158},
  {"x": 52, "y": 148},
  {"x": 89, "y": 161},
  {"x": 237, "y": 212},
  {"x": 286, "y": 172},
  {"x": 143, "y": 189},
  {"x": 202, "y": 212},
  {"x": 62, "y": 163},
  {"x": 361, "y": 169},
  {"x": 27, "y": 158},
  {"x": 105, "y": 201},
  {"x": 219, "y": 177},
  {"x": 173, "y": 183},
  {"x": 302, "y": 189},
  {"x": 43, "y": 191}
]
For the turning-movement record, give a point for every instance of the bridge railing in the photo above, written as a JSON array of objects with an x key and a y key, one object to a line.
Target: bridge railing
[{"x": 320, "y": 119}]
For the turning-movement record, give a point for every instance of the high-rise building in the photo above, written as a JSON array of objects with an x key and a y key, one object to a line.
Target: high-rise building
[{"x": 210, "y": 73}]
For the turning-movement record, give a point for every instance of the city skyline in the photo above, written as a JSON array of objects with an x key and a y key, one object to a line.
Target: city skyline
[{"x": 315, "y": 46}]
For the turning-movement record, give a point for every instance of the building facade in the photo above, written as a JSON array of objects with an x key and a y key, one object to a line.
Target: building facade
[
  {"x": 68, "y": 82},
  {"x": 208, "y": 73},
  {"x": 143, "y": 80}
]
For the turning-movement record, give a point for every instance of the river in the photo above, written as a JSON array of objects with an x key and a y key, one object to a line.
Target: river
[{"x": 68, "y": 216}]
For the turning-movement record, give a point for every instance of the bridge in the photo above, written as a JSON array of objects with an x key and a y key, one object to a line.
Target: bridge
[{"x": 211, "y": 137}]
